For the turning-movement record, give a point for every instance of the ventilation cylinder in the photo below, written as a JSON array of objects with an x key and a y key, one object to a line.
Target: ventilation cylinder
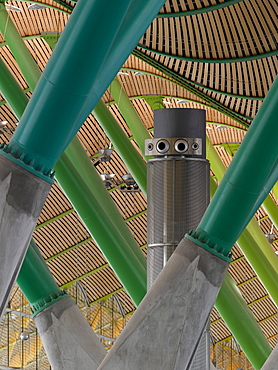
[{"x": 178, "y": 182}]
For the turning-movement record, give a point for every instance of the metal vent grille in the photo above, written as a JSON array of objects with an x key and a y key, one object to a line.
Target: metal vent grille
[{"x": 177, "y": 198}]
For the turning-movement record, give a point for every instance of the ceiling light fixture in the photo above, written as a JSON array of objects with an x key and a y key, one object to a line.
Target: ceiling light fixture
[
  {"x": 12, "y": 8},
  {"x": 104, "y": 156},
  {"x": 123, "y": 73},
  {"x": 139, "y": 73},
  {"x": 181, "y": 101},
  {"x": 129, "y": 185},
  {"x": 36, "y": 7}
]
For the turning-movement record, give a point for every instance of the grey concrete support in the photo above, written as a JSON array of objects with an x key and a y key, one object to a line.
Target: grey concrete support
[
  {"x": 272, "y": 361},
  {"x": 22, "y": 196},
  {"x": 165, "y": 329},
  {"x": 69, "y": 341}
]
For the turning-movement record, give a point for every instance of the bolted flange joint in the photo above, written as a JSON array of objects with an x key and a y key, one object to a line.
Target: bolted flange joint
[{"x": 210, "y": 243}]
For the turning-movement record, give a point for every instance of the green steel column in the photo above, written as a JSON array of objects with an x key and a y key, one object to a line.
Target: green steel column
[
  {"x": 275, "y": 190},
  {"x": 139, "y": 17},
  {"x": 253, "y": 228},
  {"x": 18, "y": 47},
  {"x": 120, "y": 257},
  {"x": 68, "y": 79},
  {"x": 272, "y": 210},
  {"x": 124, "y": 147},
  {"x": 37, "y": 282},
  {"x": 257, "y": 259},
  {"x": 128, "y": 246},
  {"x": 9, "y": 88},
  {"x": 242, "y": 323},
  {"x": 129, "y": 113},
  {"x": 244, "y": 180},
  {"x": 84, "y": 166}
]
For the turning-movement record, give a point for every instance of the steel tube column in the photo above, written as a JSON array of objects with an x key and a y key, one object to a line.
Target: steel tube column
[{"x": 272, "y": 210}]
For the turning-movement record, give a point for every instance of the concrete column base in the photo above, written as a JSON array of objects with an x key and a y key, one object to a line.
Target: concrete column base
[
  {"x": 272, "y": 361},
  {"x": 164, "y": 331},
  {"x": 22, "y": 196},
  {"x": 69, "y": 342}
]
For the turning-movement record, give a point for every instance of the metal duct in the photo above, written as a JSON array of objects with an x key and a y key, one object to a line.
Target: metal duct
[
  {"x": 178, "y": 191},
  {"x": 178, "y": 195}
]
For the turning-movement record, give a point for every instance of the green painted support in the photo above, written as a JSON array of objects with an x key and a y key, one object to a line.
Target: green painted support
[
  {"x": 154, "y": 101},
  {"x": 121, "y": 258},
  {"x": 129, "y": 113},
  {"x": 41, "y": 291},
  {"x": 18, "y": 48},
  {"x": 139, "y": 17},
  {"x": 124, "y": 147},
  {"x": 206, "y": 9},
  {"x": 129, "y": 246},
  {"x": 84, "y": 166},
  {"x": 229, "y": 211},
  {"x": 70, "y": 73},
  {"x": 9, "y": 88},
  {"x": 256, "y": 257},
  {"x": 253, "y": 228},
  {"x": 275, "y": 190},
  {"x": 272, "y": 210},
  {"x": 212, "y": 61},
  {"x": 242, "y": 323}
]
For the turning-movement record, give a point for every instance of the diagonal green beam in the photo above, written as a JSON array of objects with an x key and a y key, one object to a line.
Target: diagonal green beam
[
  {"x": 271, "y": 209},
  {"x": 211, "y": 61},
  {"x": 125, "y": 243},
  {"x": 206, "y": 9},
  {"x": 88, "y": 173},
  {"x": 124, "y": 147},
  {"x": 257, "y": 259},
  {"x": 253, "y": 228},
  {"x": 121, "y": 258},
  {"x": 129, "y": 113},
  {"x": 18, "y": 48}
]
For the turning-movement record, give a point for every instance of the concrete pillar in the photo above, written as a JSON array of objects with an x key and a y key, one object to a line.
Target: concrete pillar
[
  {"x": 165, "y": 329},
  {"x": 67, "y": 337},
  {"x": 272, "y": 361},
  {"x": 22, "y": 195}
]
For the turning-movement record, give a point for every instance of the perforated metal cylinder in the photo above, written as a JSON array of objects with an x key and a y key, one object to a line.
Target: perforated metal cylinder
[{"x": 178, "y": 194}]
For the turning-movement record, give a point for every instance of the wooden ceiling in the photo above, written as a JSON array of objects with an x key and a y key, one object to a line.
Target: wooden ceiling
[{"x": 218, "y": 55}]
